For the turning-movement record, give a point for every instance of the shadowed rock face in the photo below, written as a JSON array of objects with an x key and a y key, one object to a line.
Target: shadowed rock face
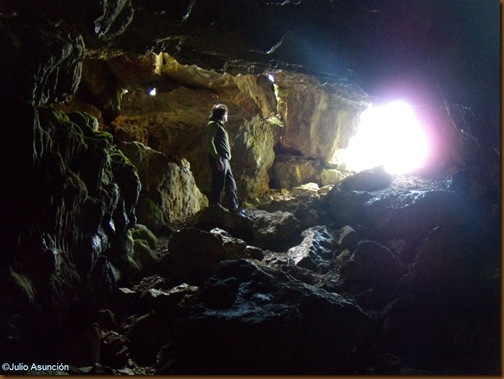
[
  {"x": 268, "y": 323},
  {"x": 388, "y": 48},
  {"x": 320, "y": 281}
]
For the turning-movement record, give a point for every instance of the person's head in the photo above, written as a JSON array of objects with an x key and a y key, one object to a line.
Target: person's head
[{"x": 219, "y": 113}]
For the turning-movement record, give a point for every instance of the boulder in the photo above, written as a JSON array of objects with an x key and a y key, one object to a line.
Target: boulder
[
  {"x": 317, "y": 246},
  {"x": 193, "y": 254},
  {"x": 308, "y": 213},
  {"x": 169, "y": 302},
  {"x": 251, "y": 320},
  {"x": 276, "y": 231},
  {"x": 292, "y": 171},
  {"x": 141, "y": 232},
  {"x": 145, "y": 258},
  {"x": 216, "y": 216},
  {"x": 347, "y": 207},
  {"x": 347, "y": 238},
  {"x": 330, "y": 176},
  {"x": 306, "y": 190},
  {"x": 449, "y": 264},
  {"x": 405, "y": 213},
  {"x": 370, "y": 265},
  {"x": 166, "y": 184},
  {"x": 253, "y": 155},
  {"x": 413, "y": 214},
  {"x": 367, "y": 180}
]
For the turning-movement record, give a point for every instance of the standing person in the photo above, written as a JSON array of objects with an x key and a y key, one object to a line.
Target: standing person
[{"x": 219, "y": 155}]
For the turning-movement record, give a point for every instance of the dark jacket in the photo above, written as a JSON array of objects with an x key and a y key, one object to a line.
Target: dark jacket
[{"x": 217, "y": 140}]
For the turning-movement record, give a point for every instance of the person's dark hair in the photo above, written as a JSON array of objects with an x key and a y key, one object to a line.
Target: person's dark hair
[{"x": 218, "y": 112}]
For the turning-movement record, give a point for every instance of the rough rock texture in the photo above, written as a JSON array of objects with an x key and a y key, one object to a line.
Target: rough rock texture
[
  {"x": 318, "y": 119},
  {"x": 317, "y": 246},
  {"x": 449, "y": 274},
  {"x": 387, "y": 45},
  {"x": 253, "y": 155},
  {"x": 367, "y": 180},
  {"x": 392, "y": 48},
  {"x": 154, "y": 123},
  {"x": 277, "y": 231},
  {"x": 370, "y": 265},
  {"x": 174, "y": 121},
  {"x": 401, "y": 212},
  {"x": 249, "y": 319},
  {"x": 81, "y": 204},
  {"x": 53, "y": 72},
  {"x": 291, "y": 171},
  {"x": 194, "y": 254},
  {"x": 100, "y": 88},
  {"x": 169, "y": 193},
  {"x": 419, "y": 255},
  {"x": 66, "y": 214}
]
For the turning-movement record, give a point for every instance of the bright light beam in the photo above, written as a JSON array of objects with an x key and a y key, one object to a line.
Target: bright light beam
[{"x": 388, "y": 136}]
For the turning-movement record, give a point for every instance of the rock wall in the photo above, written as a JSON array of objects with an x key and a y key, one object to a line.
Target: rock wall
[
  {"x": 169, "y": 193},
  {"x": 318, "y": 118},
  {"x": 173, "y": 122},
  {"x": 405, "y": 261},
  {"x": 267, "y": 117},
  {"x": 67, "y": 198}
]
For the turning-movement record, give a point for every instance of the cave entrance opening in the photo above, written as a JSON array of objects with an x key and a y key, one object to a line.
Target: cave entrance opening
[{"x": 388, "y": 135}]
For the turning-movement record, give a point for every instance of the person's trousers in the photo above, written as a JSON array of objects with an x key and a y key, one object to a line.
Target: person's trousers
[{"x": 223, "y": 181}]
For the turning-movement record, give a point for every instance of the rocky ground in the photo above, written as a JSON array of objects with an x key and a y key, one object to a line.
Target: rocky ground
[{"x": 402, "y": 279}]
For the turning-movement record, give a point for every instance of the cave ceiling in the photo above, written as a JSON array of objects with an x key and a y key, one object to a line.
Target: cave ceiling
[{"x": 425, "y": 51}]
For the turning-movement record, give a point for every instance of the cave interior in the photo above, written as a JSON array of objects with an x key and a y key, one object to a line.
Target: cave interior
[{"x": 112, "y": 260}]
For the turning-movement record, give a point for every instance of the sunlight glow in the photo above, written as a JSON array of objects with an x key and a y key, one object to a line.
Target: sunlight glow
[{"x": 388, "y": 136}]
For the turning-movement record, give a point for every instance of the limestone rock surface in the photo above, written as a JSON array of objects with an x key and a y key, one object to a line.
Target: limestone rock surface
[
  {"x": 169, "y": 193},
  {"x": 255, "y": 320}
]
